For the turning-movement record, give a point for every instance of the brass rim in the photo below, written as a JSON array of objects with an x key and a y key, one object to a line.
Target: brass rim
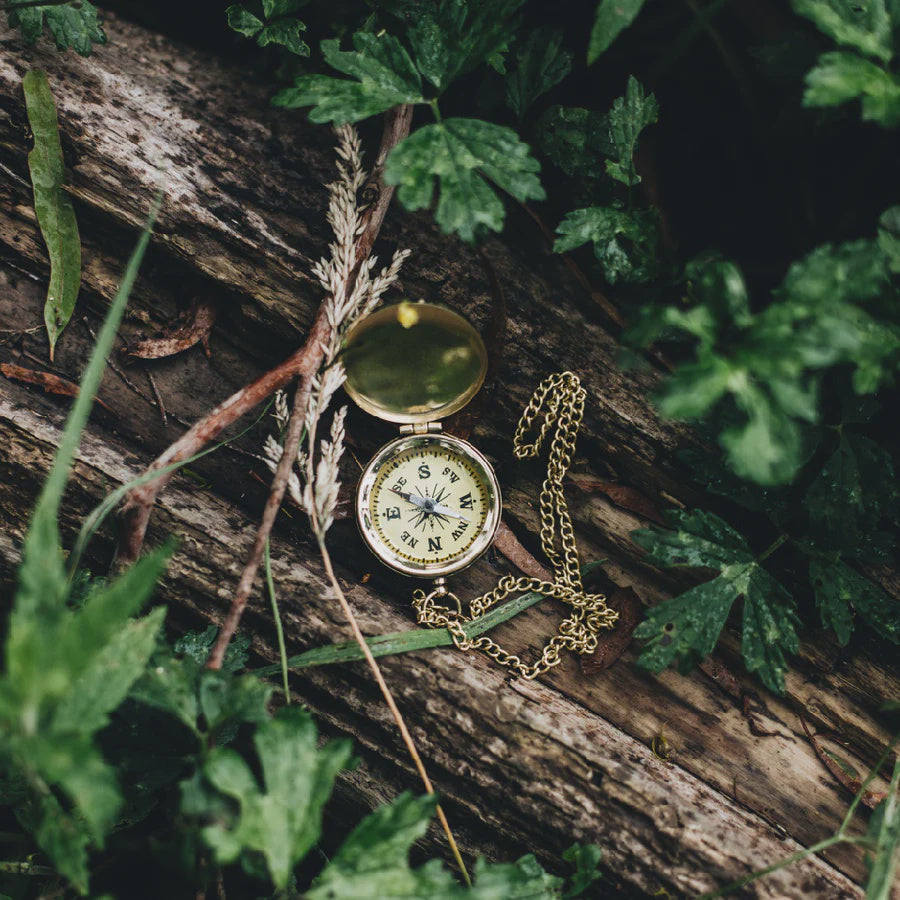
[{"x": 384, "y": 553}]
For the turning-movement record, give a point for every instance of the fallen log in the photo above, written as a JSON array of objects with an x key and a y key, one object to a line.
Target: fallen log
[{"x": 521, "y": 766}]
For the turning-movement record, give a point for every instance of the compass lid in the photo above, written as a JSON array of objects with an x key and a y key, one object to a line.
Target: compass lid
[{"x": 413, "y": 362}]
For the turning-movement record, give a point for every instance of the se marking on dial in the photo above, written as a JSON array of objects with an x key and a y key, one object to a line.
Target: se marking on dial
[{"x": 428, "y": 505}]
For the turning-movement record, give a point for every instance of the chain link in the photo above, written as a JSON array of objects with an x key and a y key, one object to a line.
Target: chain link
[{"x": 560, "y": 400}]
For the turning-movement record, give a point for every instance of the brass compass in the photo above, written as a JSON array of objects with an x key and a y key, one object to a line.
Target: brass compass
[{"x": 428, "y": 504}]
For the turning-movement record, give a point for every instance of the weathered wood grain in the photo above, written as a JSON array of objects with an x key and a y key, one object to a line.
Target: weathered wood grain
[{"x": 522, "y": 766}]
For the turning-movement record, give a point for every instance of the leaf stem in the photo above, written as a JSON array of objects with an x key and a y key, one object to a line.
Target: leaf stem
[
  {"x": 772, "y": 548},
  {"x": 392, "y": 705}
]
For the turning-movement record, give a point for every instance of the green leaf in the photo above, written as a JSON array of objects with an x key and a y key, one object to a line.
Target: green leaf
[
  {"x": 243, "y": 21},
  {"x": 575, "y": 139},
  {"x": 840, "y": 590},
  {"x": 461, "y": 156},
  {"x": 227, "y": 701},
  {"x": 283, "y": 820},
  {"x": 839, "y": 77},
  {"x": 889, "y": 238},
  {"x": 629, "y": 116},
  {"x": 373, "y": 861},
  {"x": 688, "y": 626},
  {"x": 54, "y": 210},
  {"x": 541, "y": 63},
  {"x": 272, "y": 9},
  {"x": 863, "y": 24},
  {"x": 287, "y": 33},
  {"x": 612, "y": 18},
  {"x": 105, "y": 683},
  {"x": 586, "y": 860},
  {"x": 452, "y": 37},
  {"x": 73, "y": 24},
  {"x": 384, "y": 74},
  {"x": 625, "y": 243},
  {"x": 523, "y": 879},
  {"x": 884, "y": 830},
  {"x": 768, "y": 446},
  {"x": 197, "y": 644},
  {"x": 855, "y": 487}
]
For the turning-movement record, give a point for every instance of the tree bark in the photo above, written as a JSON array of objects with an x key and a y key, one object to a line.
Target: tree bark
[{"x": 521, "y": 766}]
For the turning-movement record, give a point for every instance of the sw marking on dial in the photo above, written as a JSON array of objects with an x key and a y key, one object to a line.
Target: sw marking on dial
[{"x": 428, "y": 505}]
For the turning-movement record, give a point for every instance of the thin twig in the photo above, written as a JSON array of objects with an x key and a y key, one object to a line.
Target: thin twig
[
  {"x": 303, "y": 363},
  {"x": 392, "y": 705}
]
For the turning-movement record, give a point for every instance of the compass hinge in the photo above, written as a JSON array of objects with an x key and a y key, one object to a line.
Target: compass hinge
[{"x": 421, "y": 428}]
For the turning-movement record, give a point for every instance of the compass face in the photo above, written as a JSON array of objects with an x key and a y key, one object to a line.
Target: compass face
[{"x": 428, "y": 505}]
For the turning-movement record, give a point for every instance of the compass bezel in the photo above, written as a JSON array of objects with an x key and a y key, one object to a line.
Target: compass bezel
[{"x": 385, "y": 553}]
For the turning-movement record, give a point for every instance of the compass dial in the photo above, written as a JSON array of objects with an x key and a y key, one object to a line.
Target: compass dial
[{"x": 428, "y": 505}]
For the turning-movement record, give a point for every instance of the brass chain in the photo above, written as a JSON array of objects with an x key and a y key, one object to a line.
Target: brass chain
[{"x": 560, "y": 399}]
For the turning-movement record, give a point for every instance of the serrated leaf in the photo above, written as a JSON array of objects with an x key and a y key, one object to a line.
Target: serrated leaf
[
  {"x": 841, "y": 76},
  {"x": 452, "y": 37},
  {"x": 863, "y": 24},
  {"x": 575, "y": 139},
  {"x": 629, "y": 116},
  {"x": 625, "y": 243},
  {"x": 521, "y": 880},
  {"x": 373, "y": 861},
  {"x": 889, "y": 237},
  {"x": 227, "y": 701},
  {"x": 541, "y": 63},
  {"x": 586, "y": 860},
  {"x": 768, "y": 446},
  {"x": 611, "y": 19},
  {"x": 688, "y": 626},
  {"x": 286, "y": 33},
  {"x": 839, "y": 590},
  {"x": 849, "y": 495},
  {"x": 105, "y": 683},
  {"x": 197, "y": 644},
  {"x": 383, "y": 76},
  {"x": 170, "y": 685},
  {"x": 243, "y": 21},
  {"x": 457, "y": 158},
  {"x": 54, "y": 210},
  {"x": 282, "y": 820},
  {"x": 74, "y": 24}
]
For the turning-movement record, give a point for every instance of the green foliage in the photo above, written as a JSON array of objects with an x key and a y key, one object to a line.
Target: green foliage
[
  {"x": 625, "y": 243},
  {"x": 629, "y": 116},
  {"x": 450, "y": 38},
  {"x": 382, "y": 75},
  {"x": 458, "y": 157},
  {"x": 280, "y": 26},
  {"x": 846, "y": 75},
  {"x": 55, "y": 214},
  {"x": 67, "y": 668},
  {"x": 863, "y": 24},
  {"x": 768, "y": 366},
  {"x": 75, "y": 24},
  {"x": 282, "y": 821},
  {"x": 541, "y": 63},
  {"x": 612, "y": 18},
  {"x": 688, "y": 626},
  {"x": 453, "y": 158}
]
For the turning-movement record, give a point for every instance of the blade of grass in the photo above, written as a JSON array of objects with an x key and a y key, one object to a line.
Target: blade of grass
[
  {"x": 98, "y": 514},
  {"x": 276, "y": 615},
  {"x": 403, "y": 641},
  {"x": 43, "y": 533}
]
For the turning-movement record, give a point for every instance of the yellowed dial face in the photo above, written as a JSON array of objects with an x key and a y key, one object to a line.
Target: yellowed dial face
[{"x": 430, "y": 506}]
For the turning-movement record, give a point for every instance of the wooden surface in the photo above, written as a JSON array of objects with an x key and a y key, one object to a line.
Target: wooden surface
[{"x": 522, "y": 765}]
